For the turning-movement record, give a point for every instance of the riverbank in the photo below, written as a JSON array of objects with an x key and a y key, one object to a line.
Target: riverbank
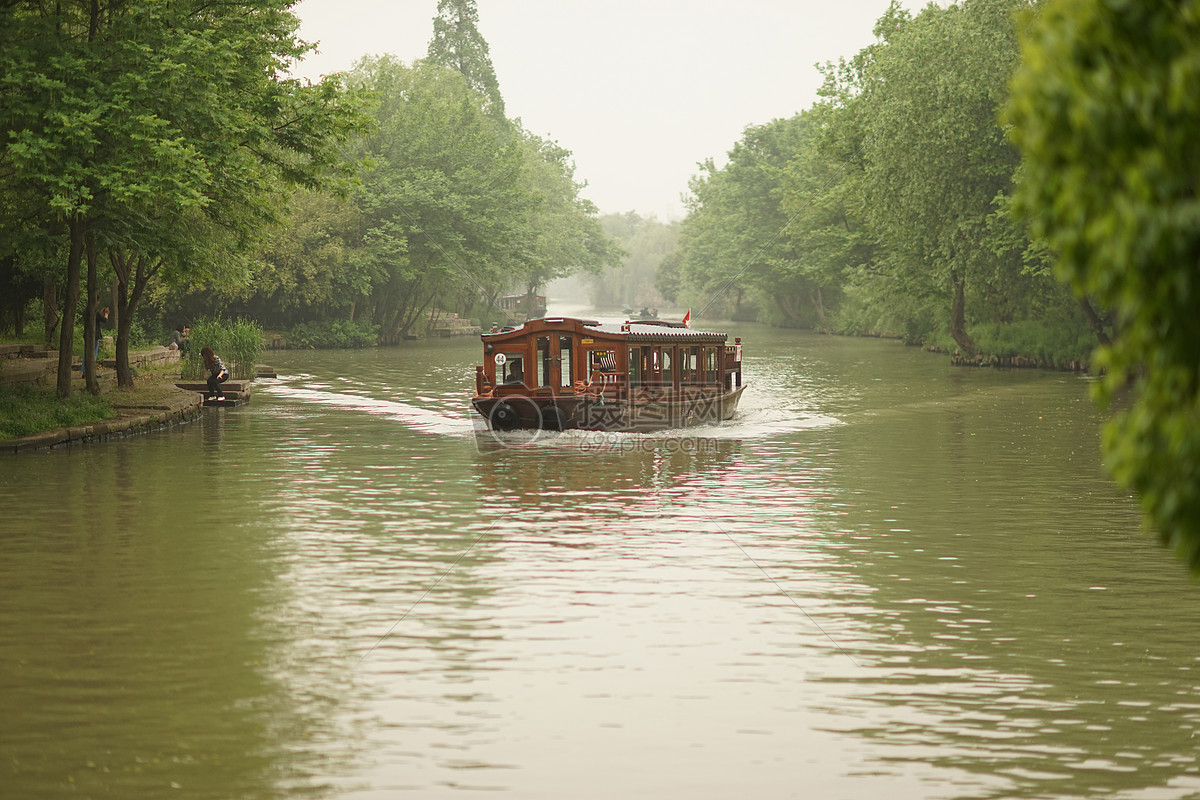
[{"x": 152, "y": 403}]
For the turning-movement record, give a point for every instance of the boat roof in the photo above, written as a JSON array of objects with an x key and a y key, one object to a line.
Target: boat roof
[
  {"x": 676, "y": 330},
  {"x": 639, "y": 329}
]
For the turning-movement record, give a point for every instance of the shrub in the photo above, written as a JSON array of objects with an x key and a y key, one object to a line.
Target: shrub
[
  {"x": 334, "y": 334},
  {"x": 1049, "y": 344}
]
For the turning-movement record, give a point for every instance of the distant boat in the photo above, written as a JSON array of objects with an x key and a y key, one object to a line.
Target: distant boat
[
  {"x": 565, "y": 373},
  {"x": 527, "y": 306}
]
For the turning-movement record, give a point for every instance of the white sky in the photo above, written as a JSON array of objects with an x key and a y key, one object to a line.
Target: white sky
[{"x": 640, "y": 91}]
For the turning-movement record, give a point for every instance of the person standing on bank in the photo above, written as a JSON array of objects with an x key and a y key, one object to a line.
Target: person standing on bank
[
  {"x": 101, "y": 322},
  {"x": 217, "y": 374}
]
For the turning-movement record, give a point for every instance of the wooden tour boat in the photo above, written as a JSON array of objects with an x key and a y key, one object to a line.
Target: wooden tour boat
[
  {"x": 523, "y": 306},
  {"x": 563, "y": 373}
]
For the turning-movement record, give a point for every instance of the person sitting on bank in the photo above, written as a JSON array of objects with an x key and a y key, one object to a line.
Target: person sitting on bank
[
  {"x": 180, "y": 341},
  {"x": 217, "y": 374}
]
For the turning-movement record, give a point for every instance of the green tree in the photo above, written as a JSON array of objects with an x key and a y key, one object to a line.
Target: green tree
[
  {"x": 830, "y": 239},
  {"x": 1105, "y": 110},
  {"x": 647, "y": 242},
  {"x": 443, "y": 204},
  {"x": 936, "y": 156},
  {"x": 566, "y": 235},
  {"x": 735, "y": 240},
  {"x": 458, "y": 45},
  {"x": 308, "y": 269},
  {"x": 706, "y": 271},
  {"x": 124, "y": 117}
]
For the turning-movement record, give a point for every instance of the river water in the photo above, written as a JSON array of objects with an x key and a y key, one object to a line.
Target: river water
[{"x": 885, "y": 577}]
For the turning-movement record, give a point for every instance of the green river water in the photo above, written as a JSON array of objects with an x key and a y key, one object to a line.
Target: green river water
[{"x": 886, "y": 577}]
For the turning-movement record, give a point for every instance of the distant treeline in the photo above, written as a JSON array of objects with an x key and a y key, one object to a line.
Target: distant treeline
[{"x": 885, "y": 208}]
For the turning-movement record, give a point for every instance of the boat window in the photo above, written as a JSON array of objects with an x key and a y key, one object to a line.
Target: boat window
[
  {"x": 602, "y": 360},
  {"x": 510, "y": 368},
  {"x": 542, "y": 361},
  {"x": 635, "y": 366},
  {"x": 710, "y": 365},
  {"x": 668, "y": 375},
  {"x": 689, "y": 365},
  {"x": 565, "y": 362}
]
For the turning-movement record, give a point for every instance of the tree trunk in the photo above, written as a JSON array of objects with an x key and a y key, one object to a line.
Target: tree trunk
[
  {"x": 122, "y": 266},
  {"x": 787, "y": 306},
  {"x": 49, "y": 309},
  {"x": 1094, "y": 321},
  {"x": 127, "y": 294},
  {"x": 124, "y": 323},
  {"x": 115, "y": 321},
  {"x": 91, "y": 331},
  {"x": 818, "y": 301},
  {"x": 958, "y": 317},
  {"x": 66, "y": 334}
]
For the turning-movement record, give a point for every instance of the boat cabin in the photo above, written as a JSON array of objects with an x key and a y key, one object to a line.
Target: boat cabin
[{"x": 559, "y": 372}]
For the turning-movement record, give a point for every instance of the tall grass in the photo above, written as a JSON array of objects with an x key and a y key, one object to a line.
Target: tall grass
[
  {"x": 1050, "y": 345},
  {"x": 237, "y": 342}
]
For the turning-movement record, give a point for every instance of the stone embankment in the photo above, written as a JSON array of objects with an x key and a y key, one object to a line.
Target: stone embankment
[
  {"x": 449, "y": 324},
  {"x": 436, "y": 324},
  {"x": 131, "y": 420},
  {"x": 26, "y": 364},
  {"x": 140, "y": 413},
  {"x": 1017, "y": 362}
]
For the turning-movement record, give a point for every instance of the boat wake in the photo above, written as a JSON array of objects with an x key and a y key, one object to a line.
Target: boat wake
[
  {"x": 415, "y": 417},
  {"x": 752, "y": 421}
]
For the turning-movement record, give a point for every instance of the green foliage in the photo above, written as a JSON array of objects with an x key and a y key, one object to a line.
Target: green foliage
[
  {"x": 441, "y": 209},
  {"x": 885, "y": 209},
  {"x": 334, "y": 334},
  {"x": 1050, "y": 345},
  {"x": 309, "y": 268},
  {"x": 936, "y": 157},
  {"x": 458, "y": 45},
  {"x": 918, "y": 319},
  {"x": 453, "y": 206},
  {"x": 237, "y": 342},
  {"x": 1105, "y": 110},
  {"x": 646, "y": 242},
  {"x": 736, "y": 237},
  {"x": 567, "y": 237},
  {"x": 140, "y": 336},
  {"x": 160, "y": 133},
  {"x": 26, "y": 410}
]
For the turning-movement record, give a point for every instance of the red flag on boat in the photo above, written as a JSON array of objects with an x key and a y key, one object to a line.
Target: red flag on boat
[{"x": 687, "y": 319}]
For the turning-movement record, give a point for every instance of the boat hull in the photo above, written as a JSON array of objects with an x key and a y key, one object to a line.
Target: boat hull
[{"x": 639, "y": 415}]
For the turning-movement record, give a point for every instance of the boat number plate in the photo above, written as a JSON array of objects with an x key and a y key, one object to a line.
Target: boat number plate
[{"x": 500, "y": 359}]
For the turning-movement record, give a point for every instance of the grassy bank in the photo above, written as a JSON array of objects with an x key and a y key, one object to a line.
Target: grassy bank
[{"x": 26, "y": 410}]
